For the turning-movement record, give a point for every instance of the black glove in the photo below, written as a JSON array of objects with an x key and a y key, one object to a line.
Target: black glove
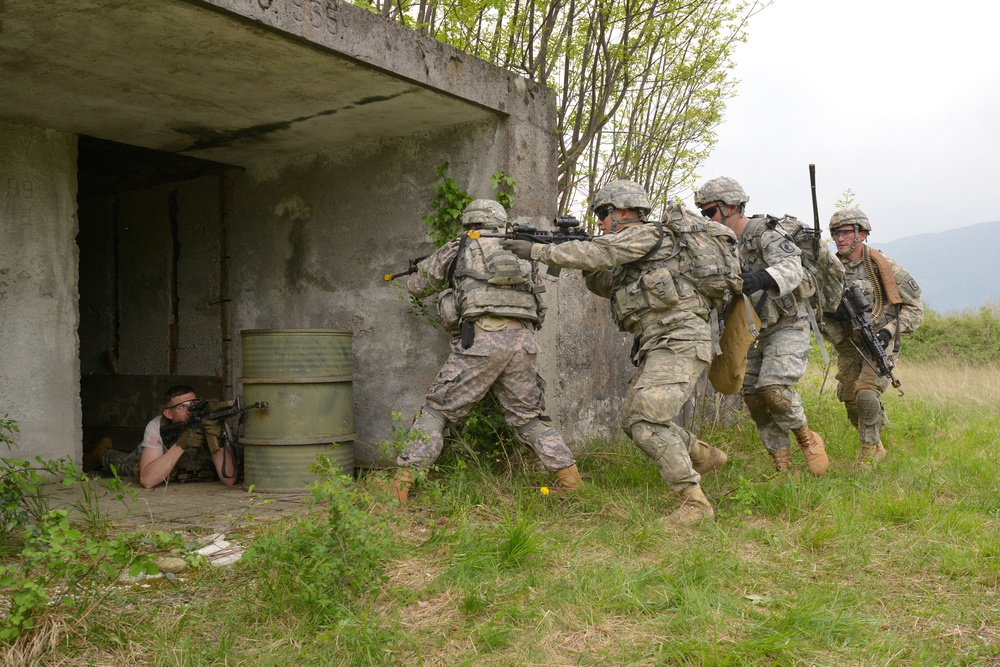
[
  {"x": 883, "y": 338},
  {"x": 756, "y": 281},
  {"x": 841, "y": 314},
  {"x": 521, "y": 249}
]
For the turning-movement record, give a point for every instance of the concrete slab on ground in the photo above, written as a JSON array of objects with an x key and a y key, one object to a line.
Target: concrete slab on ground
[{"x": 203, "y": 507}]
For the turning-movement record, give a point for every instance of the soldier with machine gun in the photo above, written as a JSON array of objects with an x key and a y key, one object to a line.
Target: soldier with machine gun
[{"x": 881, "y": 304}]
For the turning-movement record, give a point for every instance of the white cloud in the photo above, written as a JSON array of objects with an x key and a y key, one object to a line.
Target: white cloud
[{"x": 894, "y": 100}]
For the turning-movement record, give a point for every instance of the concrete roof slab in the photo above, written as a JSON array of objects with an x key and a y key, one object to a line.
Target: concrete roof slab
[{"x": 197, "y": 78}]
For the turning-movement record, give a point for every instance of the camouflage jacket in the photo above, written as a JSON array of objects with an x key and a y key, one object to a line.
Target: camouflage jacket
[
  {"x": 609, "y": 267},
  {"x": 762, "y": 247},
  {"x": 892, "y": 291}
]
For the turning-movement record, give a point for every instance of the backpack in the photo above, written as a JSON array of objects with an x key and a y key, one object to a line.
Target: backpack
[
  {"x": 707, "y": 254},
  {"x": 823, "y": 271}
]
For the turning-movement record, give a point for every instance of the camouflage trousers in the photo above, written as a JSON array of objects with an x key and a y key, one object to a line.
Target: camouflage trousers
[
  {"x": 855, "y": 377},
  {"x": 505, "y": 361},
  {"x": 777, "y": 359},
  {"x": 665, "y": 381},
  {"x": 125, "y": 463}
]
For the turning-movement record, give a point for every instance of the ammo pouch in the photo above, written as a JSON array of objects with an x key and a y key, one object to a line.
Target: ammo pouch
[
  {"x": 660, "y": 284},
  {"x": 448, "y": 309}
]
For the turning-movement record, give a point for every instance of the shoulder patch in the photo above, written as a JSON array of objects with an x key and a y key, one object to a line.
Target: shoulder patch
[
  {"x": 787, "y": 246},
  {"x": 913, "y": 284}
]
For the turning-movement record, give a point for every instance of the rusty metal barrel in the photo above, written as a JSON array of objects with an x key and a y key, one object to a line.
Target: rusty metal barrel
[{"x": 305, "y": 375}]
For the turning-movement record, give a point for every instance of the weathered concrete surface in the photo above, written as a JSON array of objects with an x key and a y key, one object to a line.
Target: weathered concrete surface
[
  {"x": 336, "y": 120},
  {"x": 230, "y": 80},
  {"x": 39, "y": 369}
]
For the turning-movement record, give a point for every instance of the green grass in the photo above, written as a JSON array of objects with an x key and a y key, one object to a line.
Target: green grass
[{"x": 893, "y": 565}]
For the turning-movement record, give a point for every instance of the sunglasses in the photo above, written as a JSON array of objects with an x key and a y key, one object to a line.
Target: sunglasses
[
  {"x": 709, "y": 212},
  {"x": 603, "y": 212}
]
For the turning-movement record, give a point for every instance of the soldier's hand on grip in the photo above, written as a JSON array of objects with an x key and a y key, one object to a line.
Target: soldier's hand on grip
[{"x": 521, "y": 249}]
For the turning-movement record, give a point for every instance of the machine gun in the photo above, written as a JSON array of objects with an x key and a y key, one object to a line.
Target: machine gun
[
  {"x": 412, "y": 268},
  {"x": 567, "y": 229},
  {"x": 859, "y": 309},
  {"x": 201, "y": 412}
]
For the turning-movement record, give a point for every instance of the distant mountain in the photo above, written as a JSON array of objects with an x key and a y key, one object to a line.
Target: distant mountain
[{"x": 956, "y": 270}]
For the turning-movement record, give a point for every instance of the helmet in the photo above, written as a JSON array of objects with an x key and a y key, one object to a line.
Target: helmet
[
  {"x": 723, "y": 189},
  {"x": 484, "y": 212},
  {"x": 850, "y": 216},
  {"x": 623, "y": 194}
]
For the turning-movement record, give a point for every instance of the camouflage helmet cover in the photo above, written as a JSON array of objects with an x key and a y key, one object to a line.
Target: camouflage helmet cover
[
  {"x": 484, "y": 212},
  {"x": 622, "y": 194},
  {"x": 850, "y": 216},
  {"x": 723, "y": 189}
]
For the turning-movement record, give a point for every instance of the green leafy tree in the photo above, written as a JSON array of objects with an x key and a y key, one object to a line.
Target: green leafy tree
[{"x": 641, "y": 84}]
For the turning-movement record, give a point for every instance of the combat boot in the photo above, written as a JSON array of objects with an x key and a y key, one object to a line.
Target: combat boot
[
  {"x": 568, "y": 479},
  {"x": 400, "y": 485},
  {"x": 782, "y": 460},
  {"x": 694, "y": 508},
  {"x": 93, "y": 460},
  {"x": 706, "y": 458},
  {"x": 812, "y": 446},
  {"x": 873, "y": 453}
]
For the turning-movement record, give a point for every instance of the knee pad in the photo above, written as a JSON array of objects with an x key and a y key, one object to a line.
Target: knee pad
[
  {"x": 869, "y": 407},
  {"x": 776, "y": 399},
  {"x": 430, "y": 420},
  {"x": 852, "y": 413},
  {"x": 758, "y": 411},
  {"x": 531, "y": 431}
]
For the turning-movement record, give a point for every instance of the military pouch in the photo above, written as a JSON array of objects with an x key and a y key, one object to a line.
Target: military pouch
[
  {"x": 468, "y": 334},
  {"x": 448, "y": 309},
  {"x": 504, "y": 268},
  {"x": 659, "y": 283}
]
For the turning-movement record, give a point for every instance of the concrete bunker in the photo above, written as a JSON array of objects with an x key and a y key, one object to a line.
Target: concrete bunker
[{"x": 293, "y": 147}]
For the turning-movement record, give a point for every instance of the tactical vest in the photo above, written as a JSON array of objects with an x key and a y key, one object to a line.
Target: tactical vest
[
  {"x": 693, "y": 272},
  {"x": 489, "y": 280},
  {"x": 822, "y": 284}
]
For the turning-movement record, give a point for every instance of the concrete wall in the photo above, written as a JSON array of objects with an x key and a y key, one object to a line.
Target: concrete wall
[
  {"x": 311, "y": 240},
  {"x": 39, "y": 370}
]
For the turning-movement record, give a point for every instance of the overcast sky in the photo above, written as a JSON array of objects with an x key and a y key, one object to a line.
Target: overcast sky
[{"x": 897, "y": 100}]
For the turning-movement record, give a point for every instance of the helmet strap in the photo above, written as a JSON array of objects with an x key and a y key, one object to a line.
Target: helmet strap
[{"x": 857, "y": 239}]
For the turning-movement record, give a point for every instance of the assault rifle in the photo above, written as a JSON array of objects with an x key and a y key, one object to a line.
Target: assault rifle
[
  {"x": 412, "y": 268},
  {"x": 859, "y": 309},
  {"x": 201, "y": 412},
  {"x": 567, "y": 229}
]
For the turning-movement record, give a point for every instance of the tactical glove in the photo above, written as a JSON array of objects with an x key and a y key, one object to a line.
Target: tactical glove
[
  {"x": 756, "y": 281},
  {"x": 841, "y": 314},
  {"x": 191, "y": 438},
  {"x": 883, "y": 338},
  {"x": 520, "y": 248},
  {"x": 213, "y": 433}
]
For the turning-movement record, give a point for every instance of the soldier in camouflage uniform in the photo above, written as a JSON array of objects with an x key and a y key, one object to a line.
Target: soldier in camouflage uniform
[
  {"x": 494, "y": 299},
  {"x": 773, "y": 278},
  {"x": 633, "y": 264},
  {"x": 896, "y": 310}
]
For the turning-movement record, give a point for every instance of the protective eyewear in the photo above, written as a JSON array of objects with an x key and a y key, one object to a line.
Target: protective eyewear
[
  {"x": 842, "y": 233},
  {"x": 603, "y": 211},
  {"x": 709, "y": 212},
  {"x": 185, "y": 405}
]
